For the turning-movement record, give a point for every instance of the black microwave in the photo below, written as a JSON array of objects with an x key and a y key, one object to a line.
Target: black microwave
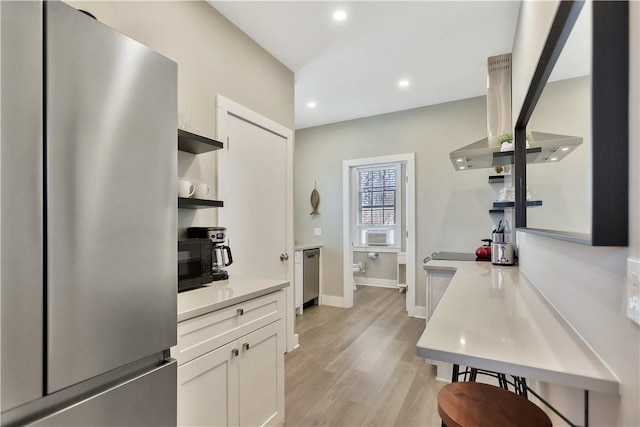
[{"x": 194, "y": 263}]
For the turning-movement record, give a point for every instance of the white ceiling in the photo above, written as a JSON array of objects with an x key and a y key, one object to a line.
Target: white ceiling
[{"x": 351, "y": 69}]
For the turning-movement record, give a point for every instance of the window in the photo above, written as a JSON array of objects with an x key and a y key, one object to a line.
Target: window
[{"x": 377, "y": 195}]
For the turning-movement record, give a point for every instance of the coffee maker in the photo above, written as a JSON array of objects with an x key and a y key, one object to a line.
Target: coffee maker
[{"x": 220, "y": 253}]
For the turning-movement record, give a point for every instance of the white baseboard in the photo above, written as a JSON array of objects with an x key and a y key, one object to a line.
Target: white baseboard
[
  {"x": 332, "y": 301},
  {"x": 379, "y": 283}
]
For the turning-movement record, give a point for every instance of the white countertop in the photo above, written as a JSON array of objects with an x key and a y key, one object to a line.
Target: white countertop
[
  {"x": 492, "y": 317},
  {"x": 302, "y": 247},
  {"x": 224, "y": 293}
]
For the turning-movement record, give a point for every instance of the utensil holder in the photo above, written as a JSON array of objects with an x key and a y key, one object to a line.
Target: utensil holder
[{"x": 497, "y": 237}]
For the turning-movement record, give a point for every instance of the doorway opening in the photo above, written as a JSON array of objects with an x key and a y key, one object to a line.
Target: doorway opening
[{"x": 379, "y": 225}]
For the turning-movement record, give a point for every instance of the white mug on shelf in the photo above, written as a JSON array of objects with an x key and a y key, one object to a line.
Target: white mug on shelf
[
  {"x": 202, "y": 191},
  {"x": 185, "y": 188}
]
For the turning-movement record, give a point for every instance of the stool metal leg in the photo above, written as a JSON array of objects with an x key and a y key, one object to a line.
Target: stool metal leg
[
  {"x": 473, "y": 375},
  {"x": 521, "y": 386},
  {"x": 523, "y": 383},
  {"x": 502, "y": 381},
  {"x": 586, "y": 408},
  {"x": 454, "y": 379}
]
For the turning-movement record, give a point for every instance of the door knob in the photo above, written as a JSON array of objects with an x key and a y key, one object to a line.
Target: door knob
[
  {"x": 284, "y": 257},
  {"x": 235, "y": 352},
  {"x": 245, "y": 346}
]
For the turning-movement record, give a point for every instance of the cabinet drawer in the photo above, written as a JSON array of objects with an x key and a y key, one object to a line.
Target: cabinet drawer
[{"x": 204, "y": 333}]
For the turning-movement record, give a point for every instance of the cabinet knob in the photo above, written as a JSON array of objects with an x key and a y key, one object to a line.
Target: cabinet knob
[
  {"x": 240, "y": 312},
  {"x": 245, "y": 346},
  {"x": 235, "y": 352}
]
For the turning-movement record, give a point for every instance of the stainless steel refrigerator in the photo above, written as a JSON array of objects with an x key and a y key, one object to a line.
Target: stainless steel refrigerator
[{"x": 88, "y": 222}]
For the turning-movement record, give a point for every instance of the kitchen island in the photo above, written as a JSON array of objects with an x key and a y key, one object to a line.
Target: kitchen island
[
  {"x": 493, "y": 318},
  {"x": 230, "y": 352}
]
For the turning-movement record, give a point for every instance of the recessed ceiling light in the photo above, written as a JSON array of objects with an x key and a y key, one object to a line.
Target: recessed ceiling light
[
  {"x": 458, "y": 160},
  {"x": 564, "y": 149},
  {"x": 403, "y": 83},
  {"x": 461, "y": 167},
  {"x": 553, "y": 159},
  {"x": 339, "y": 15},
  {"x": 311, "y": 104}
]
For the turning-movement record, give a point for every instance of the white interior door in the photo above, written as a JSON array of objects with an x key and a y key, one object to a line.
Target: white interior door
[
  {"x": 256, "y": 185},
  {"x": 255, "y": 205}
]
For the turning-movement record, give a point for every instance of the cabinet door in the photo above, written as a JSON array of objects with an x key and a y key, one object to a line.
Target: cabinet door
[
  {"x": 437, "y": 283},
  {"x": 208, "y": 389},
  {"x": 261, "y": 376}
]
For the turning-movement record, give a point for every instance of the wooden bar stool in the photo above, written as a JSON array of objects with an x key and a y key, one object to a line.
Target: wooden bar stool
[{"x": 469, "y": 404}]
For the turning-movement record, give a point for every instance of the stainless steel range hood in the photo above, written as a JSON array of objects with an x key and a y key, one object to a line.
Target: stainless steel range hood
[{"x": 485, "y": 153}]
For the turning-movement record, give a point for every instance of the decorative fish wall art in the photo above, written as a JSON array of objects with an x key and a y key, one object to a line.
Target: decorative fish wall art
[{"x": 315, "y": 200}]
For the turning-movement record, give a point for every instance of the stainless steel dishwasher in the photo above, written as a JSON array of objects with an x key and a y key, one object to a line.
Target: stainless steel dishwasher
[{"x": 311, "y": 276}]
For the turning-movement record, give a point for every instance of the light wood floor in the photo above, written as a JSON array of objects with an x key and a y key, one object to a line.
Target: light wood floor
[{"x": 358, "y": 366}]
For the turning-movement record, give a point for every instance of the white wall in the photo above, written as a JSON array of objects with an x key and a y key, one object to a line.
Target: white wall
[
  {"x": 451, "y": 207},
  {"x": 382, "y": 267},
  {"x": 213, "y": 57},
  {"x": 587, "y": 284}
]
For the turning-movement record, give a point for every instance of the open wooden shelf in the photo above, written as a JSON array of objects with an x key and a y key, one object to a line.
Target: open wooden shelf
[
  {"x": 503, "y": 205},
  {"x": 196, "y": 144},
  {"x": 188, "y": 203}
]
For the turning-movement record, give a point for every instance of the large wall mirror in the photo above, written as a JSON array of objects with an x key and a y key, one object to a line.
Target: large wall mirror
[
  {"x": 564, "y": 108},
  {"x": 579, "y": 89}
]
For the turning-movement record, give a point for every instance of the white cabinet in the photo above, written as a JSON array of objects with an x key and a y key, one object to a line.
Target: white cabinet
[
  {"x": 261, "y": 377},
  {"x": 231, "y": 365},
  {"x": 208, "y": 389},
  {"x": 298, "y": 278},
  {"x": 437, "y": 282}
]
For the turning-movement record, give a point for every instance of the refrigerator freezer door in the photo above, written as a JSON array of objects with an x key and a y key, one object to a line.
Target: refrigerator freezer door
[
  {"x": 147, "y": 400},
  {"x": 22, "y": 221},
  {"x": 111, "y": 198}
]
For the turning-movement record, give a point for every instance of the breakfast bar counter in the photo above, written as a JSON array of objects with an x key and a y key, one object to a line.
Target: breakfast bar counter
[{"x": 493, "y": 318}]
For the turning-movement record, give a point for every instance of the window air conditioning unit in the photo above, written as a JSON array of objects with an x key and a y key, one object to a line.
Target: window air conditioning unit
[{"x": 377, "y": 238}]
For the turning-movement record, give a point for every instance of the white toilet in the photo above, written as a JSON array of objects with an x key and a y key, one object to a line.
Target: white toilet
[{"x": 356, "y": 268}]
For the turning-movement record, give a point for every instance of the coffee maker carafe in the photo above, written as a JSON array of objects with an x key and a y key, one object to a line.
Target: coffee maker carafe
[{"x": 221, "y": 254}]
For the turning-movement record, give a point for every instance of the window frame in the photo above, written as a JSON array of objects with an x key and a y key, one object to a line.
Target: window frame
[{"x": 359, "y": 230}]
